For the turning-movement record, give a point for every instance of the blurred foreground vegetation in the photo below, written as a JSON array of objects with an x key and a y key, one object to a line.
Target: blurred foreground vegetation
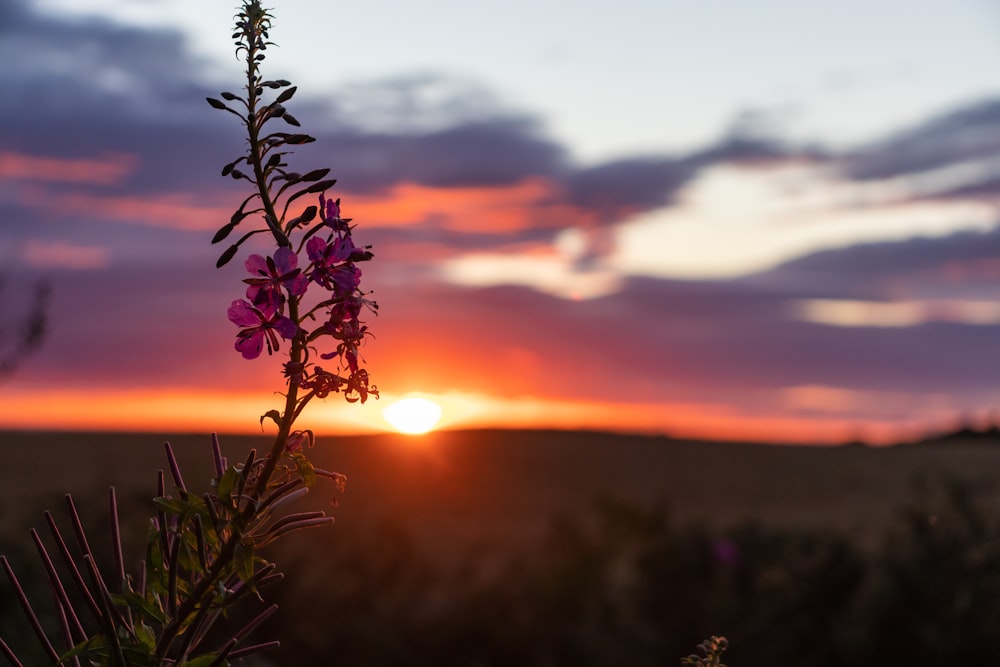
[{"x": 618, "y": 584}]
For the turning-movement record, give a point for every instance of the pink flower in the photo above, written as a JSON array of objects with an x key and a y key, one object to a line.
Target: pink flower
[
  {"x": 297, "y": 439},
  {"x": 273, "y": 275},
  {"x": 329, "y": 211},
  {"x": 258, "y": 329},
  {"x": 332, "y": 267}
]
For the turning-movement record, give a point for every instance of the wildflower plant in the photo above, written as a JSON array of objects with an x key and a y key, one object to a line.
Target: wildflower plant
[
  {"x": 709, "y": 653},
  {"x": 202, "y": 554}
]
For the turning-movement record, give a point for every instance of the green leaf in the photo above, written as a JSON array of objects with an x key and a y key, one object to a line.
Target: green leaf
[
  {"x": 244, "y": 563},
  {"x": 146, "y": 636},
  {"x": 305, "y": 468},
  {"x": 134, "y": 601},
  {"x": 227, "y": 484},
  {"x": 170, "y": 505},
  {"x": 96, "y": 645}
]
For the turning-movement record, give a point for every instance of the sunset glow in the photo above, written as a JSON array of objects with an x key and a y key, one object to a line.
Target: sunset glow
[
  {"x": 414, "y": 415},
  {"x": 708, "y": 257}
]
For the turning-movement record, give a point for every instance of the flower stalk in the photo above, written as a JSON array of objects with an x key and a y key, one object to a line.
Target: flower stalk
[{"x": 303, "y": 299}]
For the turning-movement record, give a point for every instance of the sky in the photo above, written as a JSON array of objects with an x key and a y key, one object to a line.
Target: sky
[{"x": 769, "y": 221}]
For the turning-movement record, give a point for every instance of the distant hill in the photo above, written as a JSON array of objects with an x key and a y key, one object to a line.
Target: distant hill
[{"x": 965, "y": 435}]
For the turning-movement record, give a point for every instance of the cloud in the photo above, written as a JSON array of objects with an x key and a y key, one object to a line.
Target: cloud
[
  {"x": 960, "y": 264},
  {"x": 111, "y": 160},
  {"x": 105, "y": 170},
  {"x": 963, "y": 136},
  {"x": 59, "y": 254}
]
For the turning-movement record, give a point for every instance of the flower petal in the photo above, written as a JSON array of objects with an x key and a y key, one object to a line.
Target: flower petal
[
  {"x": 241, "y": 313},
  {"x": 250, "y": 346},
  {"x": 286, "y": 327},
  {"x": 256, "y": 264},
  {"x": 285, "y": 260}
]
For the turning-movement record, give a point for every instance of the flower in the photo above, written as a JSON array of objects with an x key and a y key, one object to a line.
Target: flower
[
  {"x": 258, "y": 328},
  {"x": 358, "y": 388},
  {"x": 275, "y": 274},
  {"x": 332, "y": 267},
  {"x": 329, "y": 211},
  {"x": 298, "y": 438},
  {"x": 323, "y": 382}
]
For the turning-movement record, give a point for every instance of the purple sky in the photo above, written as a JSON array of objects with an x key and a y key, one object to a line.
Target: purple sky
[{"x": 754, "y": 284}]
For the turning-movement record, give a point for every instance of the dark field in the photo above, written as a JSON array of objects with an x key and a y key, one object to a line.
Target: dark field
[
  {"x": 505, "y": 548},
  {"x": 460, "y": 487}
]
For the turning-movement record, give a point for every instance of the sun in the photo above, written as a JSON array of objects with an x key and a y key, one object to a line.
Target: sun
[{"x": 413, "y": 415}]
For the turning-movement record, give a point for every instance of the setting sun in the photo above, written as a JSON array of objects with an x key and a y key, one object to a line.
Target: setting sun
[{"x": 413, "y": 415}]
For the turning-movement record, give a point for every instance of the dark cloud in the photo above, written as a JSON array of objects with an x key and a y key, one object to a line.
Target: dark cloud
[
  {"x": 624, "y": 186},
  {"x": 968, "y": 133},
  {"x": 80, "y": 88},
  {"x": 499, "y": 151},
  {"x": 910, "y": 268},
  {"x": 87, "y": 88}
]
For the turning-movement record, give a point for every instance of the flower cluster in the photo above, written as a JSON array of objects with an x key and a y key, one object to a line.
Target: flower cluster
[
  {"x": 276, "y": 289},
  {"x": 203, "y": 550}
]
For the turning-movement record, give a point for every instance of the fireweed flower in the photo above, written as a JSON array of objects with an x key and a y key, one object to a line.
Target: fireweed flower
[
  {"x": 330, "y": 213},
  {"x": 297, "y": 439},
  {"x": 259, "y": 328},
  {"x": 273, "y": 275},
  {"x": 322, "y": 382},
  {"x": 332, "y": 267},
  {"x": 358, "y": 387}
]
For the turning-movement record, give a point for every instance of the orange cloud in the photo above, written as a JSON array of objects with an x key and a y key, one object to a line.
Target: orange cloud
[
  {"x": 528, "y": 204},
  {"x": 172, "y": 210},
  {"x": 59, "y": 254},
  {"x": 108, "y": 170}
]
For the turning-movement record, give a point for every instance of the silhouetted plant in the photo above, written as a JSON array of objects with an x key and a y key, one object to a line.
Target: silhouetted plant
[
  {"x": 709, "y": 653},
  {"x": 20, "y": 337},
  {"x": 202, "y": 554}
]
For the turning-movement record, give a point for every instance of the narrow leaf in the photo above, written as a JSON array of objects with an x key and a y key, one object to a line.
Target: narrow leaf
[
  {"x": 273, "y": 415},
  {"x": 226, "y": 485},
  {"x": 226, "y": 256},
  {"x": 224, "y": 231},
  {"x": 244, "y": 563},
  {"x": 315, "y": 175}
]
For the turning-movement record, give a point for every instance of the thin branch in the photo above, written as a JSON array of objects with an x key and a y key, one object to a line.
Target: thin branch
[
  {"x": 36, "y": 625},
  {"x": 81, "y": 584}
]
